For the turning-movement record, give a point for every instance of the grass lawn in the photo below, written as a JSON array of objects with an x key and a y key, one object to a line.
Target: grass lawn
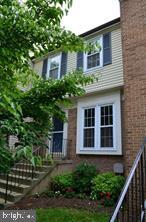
[{"x": 69, "y": 215}]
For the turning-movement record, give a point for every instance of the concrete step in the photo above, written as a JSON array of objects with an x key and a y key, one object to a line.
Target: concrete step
[
  {"x": 20, "y": 182},
  {"x": 26, "y": 172},
  {"x": 37, "y": 168},
  {"x": 11, "y": 195},
  {"x": 20, "y": 188},
  {"x": 20, "y": 179},
  {"x": 3, "y": 204}
]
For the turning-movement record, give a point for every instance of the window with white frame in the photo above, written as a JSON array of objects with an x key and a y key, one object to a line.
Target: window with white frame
[
  {"x": 106, "y": 126},
  {"x": 93, "y": 58},
  {"x": 54, "y": 67},
  {"x": 89, "y": 127},
  {"x": 99, "y": 125}
]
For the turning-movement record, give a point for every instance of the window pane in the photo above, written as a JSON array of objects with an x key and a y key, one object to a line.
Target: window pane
[
  {"x": 93, "y": 61},
  {"x": 57, "y": 124},
  {"x": 89, "y": 117},
  {"x": 107, "y": 115},
  {"x": 54, "y": 62},
  {"x": 107, "y": 137},
  {"x": 54, "y": 73},
  {"x": 57, "y": 139},
  {"x": 89, "y": 137}
]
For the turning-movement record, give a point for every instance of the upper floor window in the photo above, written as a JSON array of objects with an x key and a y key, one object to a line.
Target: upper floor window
[
  {"x": 54, "y": 67},
  {"x": 94, "y": 58},
  {"x": 99, "y": 57}
]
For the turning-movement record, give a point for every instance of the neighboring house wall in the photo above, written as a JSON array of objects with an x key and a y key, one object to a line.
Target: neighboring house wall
[{"x": 133, "y": 24}]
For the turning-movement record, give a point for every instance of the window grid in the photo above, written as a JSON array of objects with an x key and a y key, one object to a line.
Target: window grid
[
  {"x": 89, "y": 128},
  {"x": 54, "y": 67},
  {"x": 93, "y": 60},
  {"x": 106, "y": 126},
  {"x": 94, "y": 57}
]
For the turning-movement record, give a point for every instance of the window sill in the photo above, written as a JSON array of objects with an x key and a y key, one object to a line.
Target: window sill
[
  {"x": 99, "y": 152},
  {"x": 92, "y": 69}
]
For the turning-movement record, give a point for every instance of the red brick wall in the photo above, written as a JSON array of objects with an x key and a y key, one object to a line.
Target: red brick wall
[
  {"x": 133, "y": 24},
  {"x": 103, "y": 162}
]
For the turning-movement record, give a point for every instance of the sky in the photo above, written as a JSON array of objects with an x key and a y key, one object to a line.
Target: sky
[{"x": 87, "y": 14}]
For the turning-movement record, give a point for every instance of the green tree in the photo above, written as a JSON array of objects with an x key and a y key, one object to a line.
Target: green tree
[{"x": 31, "y": 28}]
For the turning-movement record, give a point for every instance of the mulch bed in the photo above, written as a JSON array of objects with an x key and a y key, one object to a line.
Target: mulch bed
[{"x": 33, "y": 202}]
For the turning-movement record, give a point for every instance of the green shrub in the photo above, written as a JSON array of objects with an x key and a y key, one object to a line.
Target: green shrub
[
  {"x": 6, "y": 160},
  {"x": 69, "y": 193},
  {"x": 81, "y": 196},
  {"x": 107, "y": 186},
  {"x": 62, "y": 182},
  {"x": 48, "y": 193},
  {"x": 82, "y": 177}
]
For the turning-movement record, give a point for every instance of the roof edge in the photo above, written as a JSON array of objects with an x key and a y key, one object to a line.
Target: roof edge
[{"x": 98, "y": 28}]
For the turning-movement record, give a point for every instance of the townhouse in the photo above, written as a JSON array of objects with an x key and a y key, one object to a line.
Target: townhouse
[{"x": 94, "y": 128}]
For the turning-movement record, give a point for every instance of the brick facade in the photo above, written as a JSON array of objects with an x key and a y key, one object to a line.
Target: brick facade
[
  {"x": 133, "y": 24},
  {"x": 102, "y": 162}
]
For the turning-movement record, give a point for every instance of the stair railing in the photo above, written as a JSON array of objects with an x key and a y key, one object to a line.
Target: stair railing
[
  {"x": 131, "y": 204},
  {"x": 24, "y": 169}
]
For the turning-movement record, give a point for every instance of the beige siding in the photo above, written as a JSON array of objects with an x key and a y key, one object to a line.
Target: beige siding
[
  {"x": 108, "y": 76},
  {"x": 38, "y": 67}
]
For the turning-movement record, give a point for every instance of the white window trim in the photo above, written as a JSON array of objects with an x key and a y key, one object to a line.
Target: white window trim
[
  {"x": 100, "y": 38},
  {"x": 113, "y": 125},
  {"x": 97, "y": 101},
  {"x": 49, "y": 62},
  {"x": 91, "y": 127}
]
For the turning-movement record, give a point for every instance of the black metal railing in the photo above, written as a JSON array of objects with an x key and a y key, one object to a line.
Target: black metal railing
[
  {"x": 23, "y": 171},
  {"x": 59, "y": 149},
  {"x": 131, "y": 204},
  {"x": 20, "y": 173}
]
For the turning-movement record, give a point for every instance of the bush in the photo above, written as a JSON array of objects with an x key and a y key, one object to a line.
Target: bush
[
  {"x": 107, "y": 186},
  {"x": 62, "y": 182},
  {"x": 82, "y": 177},
  {"x": 6, "y": 160}
]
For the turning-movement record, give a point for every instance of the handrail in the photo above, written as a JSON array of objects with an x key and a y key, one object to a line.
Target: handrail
[
  {"x": 128, "y": 182},
  {"x": 17, "y": 181},
  {"x": 29, "y": 168}
]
